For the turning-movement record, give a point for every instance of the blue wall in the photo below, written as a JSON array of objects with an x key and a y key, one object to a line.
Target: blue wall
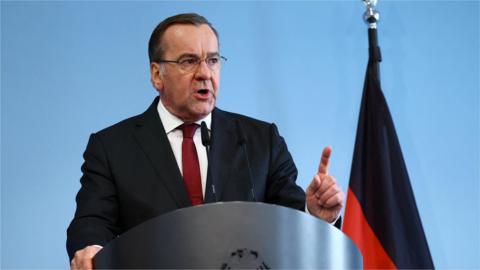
[{"x": 72, "y": 68}]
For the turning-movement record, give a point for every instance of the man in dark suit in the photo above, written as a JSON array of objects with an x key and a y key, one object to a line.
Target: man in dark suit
[{"x": 148, "y": 165}]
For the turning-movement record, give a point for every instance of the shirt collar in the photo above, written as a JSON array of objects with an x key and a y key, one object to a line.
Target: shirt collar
[{"x": 171, "y": 122}]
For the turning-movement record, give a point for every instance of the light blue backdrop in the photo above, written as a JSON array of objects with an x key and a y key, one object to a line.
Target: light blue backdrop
[{"x": 72, "y": 68}]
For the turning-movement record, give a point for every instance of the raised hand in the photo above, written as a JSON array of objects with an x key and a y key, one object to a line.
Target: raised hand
[{"x": 325, "y": 198}]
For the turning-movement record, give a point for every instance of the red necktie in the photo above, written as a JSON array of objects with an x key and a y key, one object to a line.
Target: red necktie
[{"x": 190, "y": 165}]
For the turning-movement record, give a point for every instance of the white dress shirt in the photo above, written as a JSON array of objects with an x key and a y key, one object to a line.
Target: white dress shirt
[{"x": 175, "y": 137}]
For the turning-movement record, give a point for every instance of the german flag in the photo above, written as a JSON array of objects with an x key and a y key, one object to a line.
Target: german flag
[{"x": 381, "y": 215}]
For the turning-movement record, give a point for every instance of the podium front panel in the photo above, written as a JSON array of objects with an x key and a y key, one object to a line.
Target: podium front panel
[{"x": 231, "y": 235}]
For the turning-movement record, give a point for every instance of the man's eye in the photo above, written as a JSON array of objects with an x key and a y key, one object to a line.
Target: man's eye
[
  {"x": 188, "y": 61},
  {"x": 213, "y": 60}
]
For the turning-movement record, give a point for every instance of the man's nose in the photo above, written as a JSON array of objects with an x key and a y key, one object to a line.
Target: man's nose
[{"x": 203, "y": 72}]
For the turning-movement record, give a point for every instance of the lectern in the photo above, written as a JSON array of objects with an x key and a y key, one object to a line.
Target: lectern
[{"x": 233, "y": 235}]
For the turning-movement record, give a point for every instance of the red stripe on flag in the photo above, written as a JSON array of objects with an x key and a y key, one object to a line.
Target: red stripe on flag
[{"x": 357, "y": 228}]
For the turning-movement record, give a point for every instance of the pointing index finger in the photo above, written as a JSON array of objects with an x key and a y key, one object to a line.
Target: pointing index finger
[{"x": 323, "y": 166}]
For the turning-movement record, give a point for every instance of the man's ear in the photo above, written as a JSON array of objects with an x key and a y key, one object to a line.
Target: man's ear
[{"x": 156, "y": 76}]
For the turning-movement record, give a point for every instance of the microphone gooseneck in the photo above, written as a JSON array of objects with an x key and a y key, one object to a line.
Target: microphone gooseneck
[
  {"x": 207, "y": 143},
  {"x": 242, "y": 141}
]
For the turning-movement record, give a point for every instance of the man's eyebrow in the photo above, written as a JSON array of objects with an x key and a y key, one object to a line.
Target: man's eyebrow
[
  {"x": 212, "y": 54},
  {"x": 188, "y": 55}
]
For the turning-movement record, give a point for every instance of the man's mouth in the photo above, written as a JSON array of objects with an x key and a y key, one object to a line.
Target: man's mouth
[
  {"x": 203, "y": 91},
  {"x": 204, "y": 94}
]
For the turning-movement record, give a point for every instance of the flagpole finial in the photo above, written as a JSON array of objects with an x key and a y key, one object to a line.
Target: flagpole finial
[{"x": 371, "y": 16}]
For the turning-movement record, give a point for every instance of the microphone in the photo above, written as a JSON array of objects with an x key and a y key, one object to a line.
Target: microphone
[
  {"x": 205, "y": 137},
  {"x": 207, "y": 143},
  {"x": 242, "y": 140}
]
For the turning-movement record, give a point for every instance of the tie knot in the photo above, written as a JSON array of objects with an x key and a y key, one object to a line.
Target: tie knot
[{"x": 188, "y": 130}]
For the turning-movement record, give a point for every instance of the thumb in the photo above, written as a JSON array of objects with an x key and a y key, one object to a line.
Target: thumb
[{"x": 314, "y": 185}]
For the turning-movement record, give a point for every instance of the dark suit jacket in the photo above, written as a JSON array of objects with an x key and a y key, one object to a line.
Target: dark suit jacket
[{"x": 130, "y": 174}]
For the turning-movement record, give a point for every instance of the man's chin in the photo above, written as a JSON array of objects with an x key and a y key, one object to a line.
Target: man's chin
[
  {"x": 206, "y": 107},
  {"x": 204, "y": 113},
  {"x": 199, "y": 113}
]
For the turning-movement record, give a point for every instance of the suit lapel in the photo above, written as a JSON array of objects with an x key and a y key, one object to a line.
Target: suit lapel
[
  {"x": 151, "y": 137},
  {"x": 224, "y": 144}
]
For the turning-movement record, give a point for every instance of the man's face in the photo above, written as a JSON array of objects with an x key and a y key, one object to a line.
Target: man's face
[{"x": 188, "y": 95}]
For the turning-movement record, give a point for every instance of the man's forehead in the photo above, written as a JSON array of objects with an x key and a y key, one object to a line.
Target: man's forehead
[{"x": 182, "y": 38}]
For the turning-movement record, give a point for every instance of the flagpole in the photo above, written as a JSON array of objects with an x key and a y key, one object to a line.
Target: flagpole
[{"x": 371, "y": 17}]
